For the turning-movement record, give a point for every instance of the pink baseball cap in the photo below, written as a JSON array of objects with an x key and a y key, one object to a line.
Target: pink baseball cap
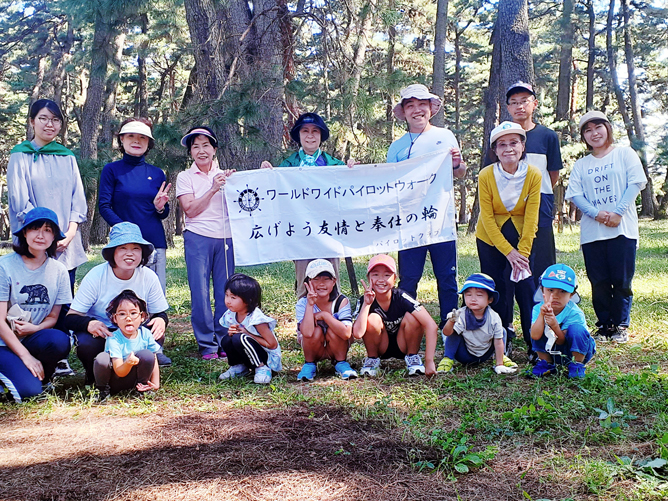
[{"x": 382, "y": 259}]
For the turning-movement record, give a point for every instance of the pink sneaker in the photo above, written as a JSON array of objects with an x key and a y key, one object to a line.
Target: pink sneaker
[
  {"x": 222, "y": 354},
  {"x": 210, "y": 356}
]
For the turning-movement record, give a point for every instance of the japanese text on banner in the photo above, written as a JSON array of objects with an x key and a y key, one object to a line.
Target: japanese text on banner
[{"x": 324, "y": 212}]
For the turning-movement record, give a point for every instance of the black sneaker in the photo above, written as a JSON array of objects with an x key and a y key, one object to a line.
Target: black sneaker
[
  {"x": 63, "y": 369},
  {"x": 532, "y": 357},
  {"x": 103, "y": 394},
  {"x": 163, "y": 360},
  {"x": 602, "y": 334}
]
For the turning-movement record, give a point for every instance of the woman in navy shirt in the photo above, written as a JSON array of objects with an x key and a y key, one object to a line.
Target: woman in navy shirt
[{"x": 133, "y": 190}]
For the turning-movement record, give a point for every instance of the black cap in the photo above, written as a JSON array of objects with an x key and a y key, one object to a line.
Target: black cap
[{"x": 309, "y": 118}]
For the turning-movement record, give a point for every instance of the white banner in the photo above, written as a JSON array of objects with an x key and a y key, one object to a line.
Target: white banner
[{"x": 324, "y": 212}]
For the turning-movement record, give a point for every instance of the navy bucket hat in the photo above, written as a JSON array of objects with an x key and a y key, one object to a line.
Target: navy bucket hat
[
  {"x": 41, "y": 214},
  {"x": 313, "y": 119},
  {"x": 481, "y": 281}
]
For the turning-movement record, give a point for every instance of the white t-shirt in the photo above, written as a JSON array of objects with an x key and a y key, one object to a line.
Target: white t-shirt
[
  {"x": 100, "y": 286},
  {"x": 252, "y": 319},
  {"x": 602, "y": 181},
  {"x": 479, "y": 341},
  {"x": 435, "y": 139}
]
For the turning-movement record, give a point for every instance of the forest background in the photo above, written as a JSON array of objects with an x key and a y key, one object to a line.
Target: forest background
[{"x": 249, "y": 68}]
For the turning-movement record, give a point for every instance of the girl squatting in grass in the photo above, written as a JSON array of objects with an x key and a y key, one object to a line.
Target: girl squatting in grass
[
  {"x": 250, "y": 341},
  {"x": 324, "y": 322},
  {"x": 559, "y": 326},
  {"x": 392, "y": 323},
  {"x": 475, "y": 333},
  {"x": 129, "y": 357}
]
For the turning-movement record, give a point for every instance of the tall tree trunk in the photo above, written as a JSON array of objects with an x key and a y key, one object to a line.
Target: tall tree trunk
[
  {"x": 649, "y": 204},
  {"x": 491, "y": 99},
  {"x": 111, "y": 89},
  {"x": 34, "y": 95},
  {"x": 513, "y": 35},
  {"x": 612, "y": 65},
  {"x": 565, "y": 63},
  {"x": 456, "y": 84},
  {"x": 141, "y": 98},
  {"x": 591, "y": 55},
  {"x": 353, "y": 85},
  {"x": 60, "y": 61},
  {"x": 438, "y": 75},
  {"x": 389, "y": 65}
]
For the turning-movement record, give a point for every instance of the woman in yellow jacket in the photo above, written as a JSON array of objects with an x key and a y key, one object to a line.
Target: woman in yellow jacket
[{"x": 509, "y": 192}]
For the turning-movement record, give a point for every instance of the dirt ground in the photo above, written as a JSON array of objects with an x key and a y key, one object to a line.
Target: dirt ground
[{"x": 245, "y": 454}]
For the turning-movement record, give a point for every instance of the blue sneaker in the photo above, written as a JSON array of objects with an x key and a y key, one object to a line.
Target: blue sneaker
[
  {"x": 308, "y": 372},
  {"x": 543, "y": 368},
  {"x": 576, "y": 370},
  {"x": 344, "y": 370}
]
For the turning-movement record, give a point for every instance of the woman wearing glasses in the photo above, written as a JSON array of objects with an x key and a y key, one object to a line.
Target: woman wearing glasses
[{"x": 43, "y": 173}]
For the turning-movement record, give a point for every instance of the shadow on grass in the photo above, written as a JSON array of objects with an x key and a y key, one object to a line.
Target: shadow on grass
[{"x": 296, "y": 453}]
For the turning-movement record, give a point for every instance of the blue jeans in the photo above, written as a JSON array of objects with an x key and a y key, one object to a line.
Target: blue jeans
[
  {"x": 610, "y": 267},
  {"x": 444, "y": 262},
  {"x": 207, "y": 258},
  {"x": 48, "y": 346},
  {"x": 455, "y": 349},
  {"x": 578, "y": 340}
]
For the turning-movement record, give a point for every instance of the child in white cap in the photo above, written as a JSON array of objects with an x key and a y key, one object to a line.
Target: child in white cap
[
  {"x": 324, "y": 322},
  {"x": 474, "y": 333}
]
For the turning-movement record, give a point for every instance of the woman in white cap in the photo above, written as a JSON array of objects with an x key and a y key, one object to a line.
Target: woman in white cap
[
  {"x": 604, "y": 186},
  {"x": 135, "y": 191},
  {"x": 126, "y": 256},
  {"x": 207, "y": 240},
  {"x": 509, "y": 192}
]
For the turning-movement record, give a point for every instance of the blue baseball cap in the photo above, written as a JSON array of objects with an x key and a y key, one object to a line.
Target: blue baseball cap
[
  {"x": 125, "y": 233},
  {"x": 309, "y": 118},
  {"x": 481, "y": 281},
  {"x": 559, "y": 276},
  {"x": 41, "y": 214}
]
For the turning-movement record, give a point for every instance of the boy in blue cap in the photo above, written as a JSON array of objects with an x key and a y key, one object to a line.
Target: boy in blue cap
[
  {"x": 558, "y": 325},
  {"x": 474, "y": 333}
]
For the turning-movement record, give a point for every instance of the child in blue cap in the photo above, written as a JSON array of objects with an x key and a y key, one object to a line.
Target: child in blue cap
[
  {"x": 558, "y": 325},
  {"x": 473, "y": 333}
]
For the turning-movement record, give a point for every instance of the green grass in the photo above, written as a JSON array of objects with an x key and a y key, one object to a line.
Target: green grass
[{"x": 465, "y": 419}]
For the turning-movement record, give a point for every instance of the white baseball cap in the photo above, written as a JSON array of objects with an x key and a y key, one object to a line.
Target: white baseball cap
[
  {"x": 505, "y": 128},
  {"x": 318, "y": 266},
  {"x": 136, "y": 127}
]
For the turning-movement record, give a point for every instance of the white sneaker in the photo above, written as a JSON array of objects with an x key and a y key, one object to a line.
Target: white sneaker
[
  {"x": 414, "y": 365},
  {"x": 370, "y": 367},
  {"x": 239, "y": 370},
  {"x": 262, "y": 375}
]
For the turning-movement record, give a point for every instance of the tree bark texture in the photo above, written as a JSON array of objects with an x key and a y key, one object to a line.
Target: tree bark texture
[
  {"x": 591, "y": 55},
  {"x": 614, "y": 80},
  {"x": 649, "y": 204},
  {"x": 565, "y": 63},
  {"x": 513, "y": 35},
  {"x": 438, "y": 76}
]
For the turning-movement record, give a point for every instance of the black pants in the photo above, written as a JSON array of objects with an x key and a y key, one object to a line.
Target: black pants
[
  {"x": 543, "y": 251},
  {"x": 496, "y": 265},
  {"x": 243, "y": 349},
  {"x": 140, "y": 373}
]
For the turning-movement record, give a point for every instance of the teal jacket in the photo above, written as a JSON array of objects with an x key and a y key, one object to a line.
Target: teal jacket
[{"x": 293, "y": 160}]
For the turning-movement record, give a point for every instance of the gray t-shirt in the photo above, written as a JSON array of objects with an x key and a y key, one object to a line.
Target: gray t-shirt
[
  {"x": 36, "y": 291},
  {"x": 478, "y": 341}
]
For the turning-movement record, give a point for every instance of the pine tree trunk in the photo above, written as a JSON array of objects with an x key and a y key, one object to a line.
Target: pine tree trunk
[
  {"x": 438, "y": 74},
  {"x": 565, "y": 63},
  {"x": 649, "y": 204},
  {"x": 614, "y": 81},
  {"x": 591, "y": 55}
]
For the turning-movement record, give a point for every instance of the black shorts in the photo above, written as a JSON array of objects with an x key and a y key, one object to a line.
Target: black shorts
[{"x": 393, "y": 350}]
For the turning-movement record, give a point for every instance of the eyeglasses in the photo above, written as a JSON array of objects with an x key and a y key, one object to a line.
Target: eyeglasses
[
  {"x": 124, "y": 316},
  {"x": 53, "y": 121},
  {"x": 523, "y": 103}
]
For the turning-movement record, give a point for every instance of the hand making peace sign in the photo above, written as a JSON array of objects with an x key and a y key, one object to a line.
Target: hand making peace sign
[
  {"x": 162, "y": 197},
  {"x": 369, "y": 294}
]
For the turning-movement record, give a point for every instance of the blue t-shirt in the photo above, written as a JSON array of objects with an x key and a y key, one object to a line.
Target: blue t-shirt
[
  {"x": 118, "y": 346},
  {"x": 127, "y": 190},
  {"x": 570, "y": 315}
]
